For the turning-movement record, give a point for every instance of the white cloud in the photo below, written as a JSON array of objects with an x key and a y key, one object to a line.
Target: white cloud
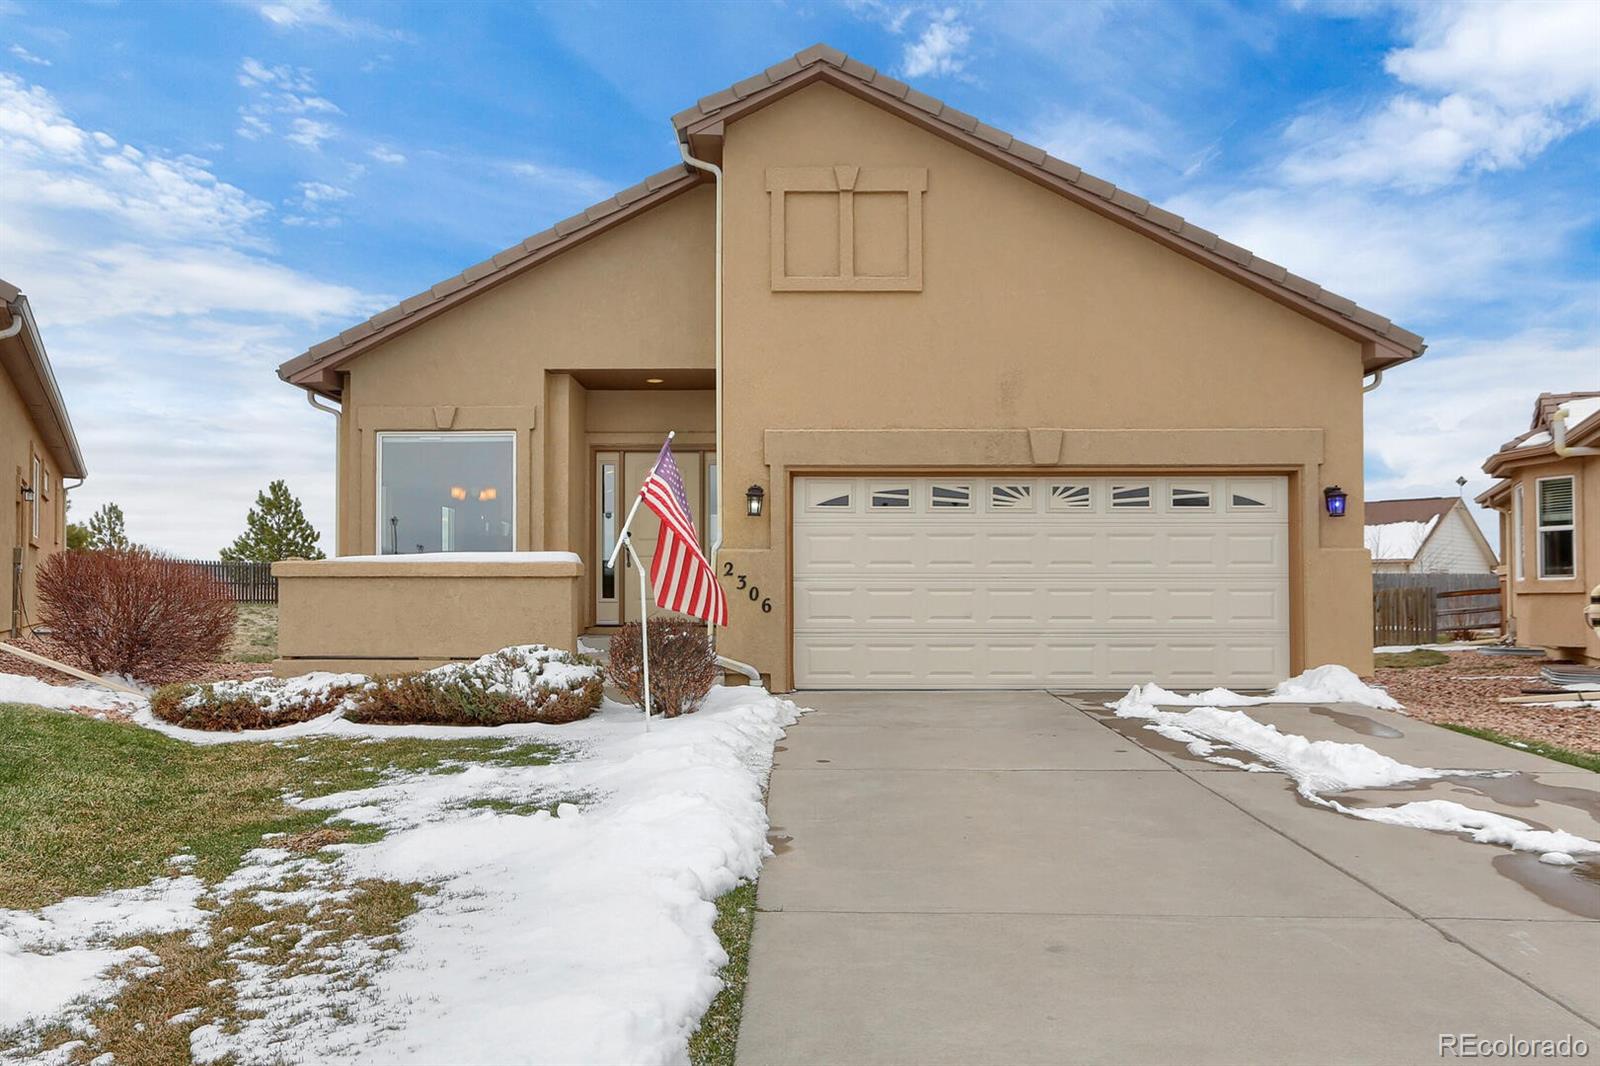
[
  {"x": 27, "y": 56},
  {"x": 1485, "y": 87},
  {"x": 568, "y": 182},
  {"x": 1401, "y": 258},
  {"x": 384, "y": 154},
  {"x": 1440, "y": 417},
  {"x": 165, "y": 314},
  {"x": 284, "y": 92},
  {"x": 320, "y": 15},
  {"x": 1102, "y": 146},
  {"x": 940, "y": 50}
]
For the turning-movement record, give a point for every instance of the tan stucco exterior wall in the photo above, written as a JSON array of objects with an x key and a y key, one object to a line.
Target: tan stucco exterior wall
[
  {"x": 20, "y": 442},
  {"x": 1549, "y": 612},
  {"x": 1044, "y": 337},
  {"x": 637, "y": 297},
  {"x": 1033, "y": 313}
]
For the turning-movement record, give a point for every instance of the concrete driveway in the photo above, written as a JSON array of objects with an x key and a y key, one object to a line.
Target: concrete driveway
[{"x": 1011, "y": 878}]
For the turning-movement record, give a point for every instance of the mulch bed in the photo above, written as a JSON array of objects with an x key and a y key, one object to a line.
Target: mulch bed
[
  {"x": 195, "y": 672},
  {"x": 1465, "y": 691}
]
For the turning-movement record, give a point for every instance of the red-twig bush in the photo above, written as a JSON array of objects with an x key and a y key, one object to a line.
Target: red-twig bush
[
  {"x": 682, "y": 665},
  {"x": 130, "y": 611},
  {"x": 524, "y": 683}
]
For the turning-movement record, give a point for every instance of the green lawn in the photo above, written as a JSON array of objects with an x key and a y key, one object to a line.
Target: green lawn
[
  {"x": 255, "y": 634},
  {"x": 1582, "y": 759},
  {"x": 714, "y": 1042},
  {"x": 1403, "y": 660},
  {"x": 87, "y": 806}
]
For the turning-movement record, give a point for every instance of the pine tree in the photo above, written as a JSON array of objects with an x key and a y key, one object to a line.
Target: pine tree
[
  {"x": 276, "y": 528},
  {"x": 107, "y": 529}
]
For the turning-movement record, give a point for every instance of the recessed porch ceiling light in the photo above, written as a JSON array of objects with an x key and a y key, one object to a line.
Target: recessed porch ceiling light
[{"x": 652, "y": 381}]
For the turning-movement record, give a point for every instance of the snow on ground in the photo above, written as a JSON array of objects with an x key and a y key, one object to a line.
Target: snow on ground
[
  {"x": 53, "y": 956},
  {"x": 15, "y": 688},
  {"x": 1323, "y": 768},
  {"x": 579, "y": 935}
]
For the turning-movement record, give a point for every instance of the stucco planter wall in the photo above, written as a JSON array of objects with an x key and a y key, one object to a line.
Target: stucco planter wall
[{"x": 390, "y": 616}]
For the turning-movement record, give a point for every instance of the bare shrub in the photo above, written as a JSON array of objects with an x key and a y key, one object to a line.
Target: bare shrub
[
  {"x": 530, "y": 683},
  {"x": 130, "y": 611},
  {"x": 682, "y": 665}
]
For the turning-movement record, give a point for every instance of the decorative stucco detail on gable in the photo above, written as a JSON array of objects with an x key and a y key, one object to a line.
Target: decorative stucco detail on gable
[{"x": 846, "y": 228}]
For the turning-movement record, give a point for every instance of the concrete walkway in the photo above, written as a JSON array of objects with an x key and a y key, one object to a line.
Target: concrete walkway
[{"x": 1008, "y": 878}]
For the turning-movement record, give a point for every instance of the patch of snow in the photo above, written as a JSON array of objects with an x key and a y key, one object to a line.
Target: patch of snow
[
  {"x": 1323, "y": 768},
  {"x": 1558, "y": 858},
  {"x": 580, "y": 936},
  {"x": 1580, "y": 411},
  {"x": 15, "y": 688},
  {"x": 464, "y": 557},
  {"x": 60, "y": 955},
  {"x": 1397, "y": 541}
]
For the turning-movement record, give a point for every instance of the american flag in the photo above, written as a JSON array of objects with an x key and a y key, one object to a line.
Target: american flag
[{"x": 680, "y": 572}]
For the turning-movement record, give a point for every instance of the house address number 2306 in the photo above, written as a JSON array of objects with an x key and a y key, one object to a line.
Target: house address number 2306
[{"x": 752, "y": 591}]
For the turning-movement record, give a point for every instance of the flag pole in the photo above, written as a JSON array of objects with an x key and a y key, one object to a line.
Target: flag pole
[{"x": 625, "y": 540}]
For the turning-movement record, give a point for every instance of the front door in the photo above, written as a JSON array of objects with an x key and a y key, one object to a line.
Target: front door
[{"x": 624, "y": 605}]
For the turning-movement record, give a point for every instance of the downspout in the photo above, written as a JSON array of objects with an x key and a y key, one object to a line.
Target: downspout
[
  {"x": 1558, "y": 436},
  {"x": 1377, "y": 379},
  {"x": 722, "y": 471},
  {"x": 338, "y": 463}
]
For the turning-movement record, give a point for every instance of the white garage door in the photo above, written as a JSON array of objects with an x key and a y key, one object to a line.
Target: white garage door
[{"x": 1016, "y": 582}]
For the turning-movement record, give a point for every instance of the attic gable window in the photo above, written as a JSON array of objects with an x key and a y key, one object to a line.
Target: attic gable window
[
  {"x": 1557, "y": 527},
  {"x": 846, "y": 228}
]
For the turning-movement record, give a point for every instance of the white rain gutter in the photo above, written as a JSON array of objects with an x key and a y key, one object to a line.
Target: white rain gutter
[
  {"x": 1558, "y": 436},
  {"x": 1377, "y": 379},
  {"x": 722, "y": 473},
  {"x": 15, "y": 327},
  {"x": 338, "y": 462}
]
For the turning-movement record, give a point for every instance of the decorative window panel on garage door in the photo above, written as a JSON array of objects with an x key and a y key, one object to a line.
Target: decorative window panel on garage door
[{"x": 1023, "y": 582}]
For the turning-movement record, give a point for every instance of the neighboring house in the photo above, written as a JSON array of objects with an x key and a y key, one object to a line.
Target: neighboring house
[
  {"x": 1429, "y": 535},
  {"x": 1006, "y": 424},
  {"x": 1548, "y": 497},
  {"x": 36, "y": 439}
]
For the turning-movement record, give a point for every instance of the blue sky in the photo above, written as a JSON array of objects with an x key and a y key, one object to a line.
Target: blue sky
[{"x": 192, "y": 193}]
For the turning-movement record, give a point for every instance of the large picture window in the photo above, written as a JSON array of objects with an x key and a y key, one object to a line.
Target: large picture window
[
  {"x": 446, "y": 492},
  {"x": 1557, "y": 533}
]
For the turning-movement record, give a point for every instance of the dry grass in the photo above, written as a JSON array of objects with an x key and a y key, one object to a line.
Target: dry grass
[{"x": 255, "y": 634}]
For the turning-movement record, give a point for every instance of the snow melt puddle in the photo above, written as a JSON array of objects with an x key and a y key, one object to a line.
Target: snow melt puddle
[{"x": 1321, "y": 768}]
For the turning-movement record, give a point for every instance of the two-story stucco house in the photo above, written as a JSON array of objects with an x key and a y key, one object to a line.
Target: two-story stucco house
[{"x": 958, "y": 413}]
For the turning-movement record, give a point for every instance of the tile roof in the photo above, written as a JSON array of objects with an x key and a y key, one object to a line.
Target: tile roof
[
  {"x": 822, "y": 59},
  {"x": 798, "y": 70}
]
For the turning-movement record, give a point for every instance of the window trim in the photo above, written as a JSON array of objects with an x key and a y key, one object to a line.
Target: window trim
[
  {"x": 890, "y": 490},
  {"x": 1030, "y": 496},
  {"x": 1539, "y": 528},
  {"x": 1519, "y": 566},
  {"x": 1177, "y": 485},
  {"x": 36, "y": 471},
  {"x": 1148, "y": 503},
  {"x": 483, "y": 434},
  {"x": 936, "y": 506}
]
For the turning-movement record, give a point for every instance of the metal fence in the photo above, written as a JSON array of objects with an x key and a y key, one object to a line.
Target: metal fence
[
  {"x": 246, "y": 582},
  {"x": 1458, "y": 602}
]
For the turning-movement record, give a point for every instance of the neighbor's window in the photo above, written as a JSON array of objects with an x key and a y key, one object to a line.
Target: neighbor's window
[
  {"x": 1557, "y": 533},
  {"x": 446, "y": 492},
  {"x": 38, "y": 495}
]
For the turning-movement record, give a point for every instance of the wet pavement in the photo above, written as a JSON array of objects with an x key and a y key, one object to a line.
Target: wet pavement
[{"x": 1020, "y": 877}]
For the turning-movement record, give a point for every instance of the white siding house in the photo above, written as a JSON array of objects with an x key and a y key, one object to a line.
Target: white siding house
[{"x": 1426, "y": 536}]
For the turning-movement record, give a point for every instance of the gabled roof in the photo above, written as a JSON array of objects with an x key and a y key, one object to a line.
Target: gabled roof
[
  {"x": 701, "y": 128},
  {"x": 1583, "y": 429},
  {"x": 1419, "y": 509},
  {"x": 24, "y": 361}
]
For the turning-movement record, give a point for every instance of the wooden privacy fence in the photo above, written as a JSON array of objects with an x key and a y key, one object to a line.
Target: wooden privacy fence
[
  {"x": 1464, "y": 601},
  {"x": 246, "y": 582},
  {"x": 1403, "y": 616}
]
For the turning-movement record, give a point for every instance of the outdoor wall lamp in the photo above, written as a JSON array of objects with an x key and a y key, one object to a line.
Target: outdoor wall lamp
[
  {"x": 753, "y": 496},
  {"x": 27, "y": 496},
  {"x": 1335, "y": 497}
]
